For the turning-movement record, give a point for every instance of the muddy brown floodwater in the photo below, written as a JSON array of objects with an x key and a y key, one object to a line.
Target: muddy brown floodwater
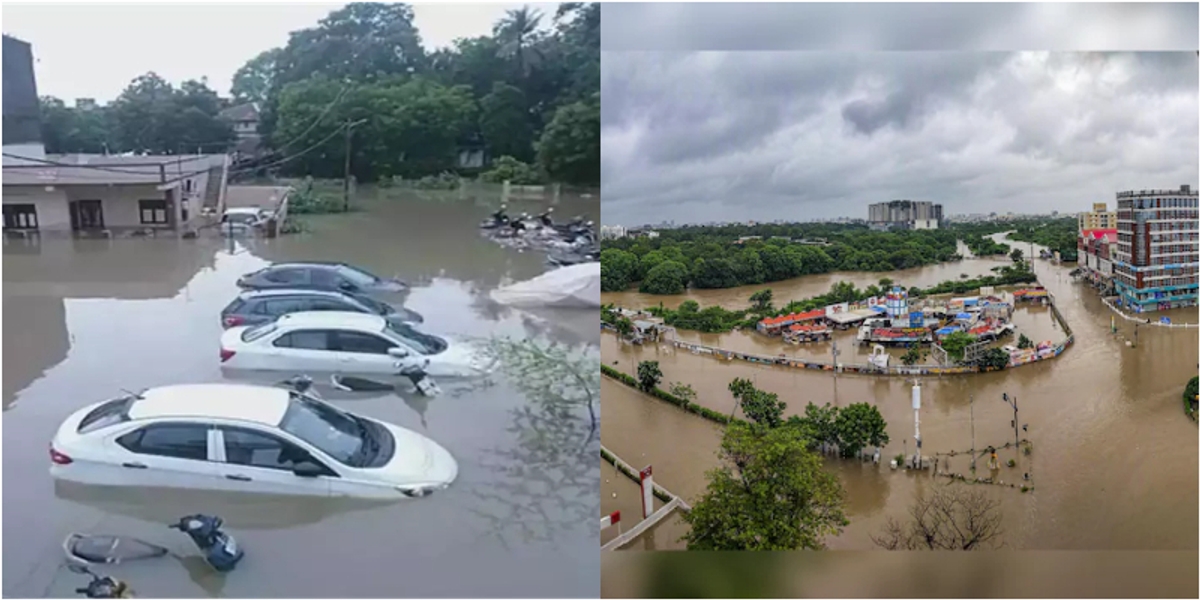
[
  {"x": 1114, "y": 458},
  {"x": 85, "y": 318}
]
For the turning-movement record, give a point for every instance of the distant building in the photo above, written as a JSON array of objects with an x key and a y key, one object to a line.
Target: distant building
[
  {"x": 244, "y": 118},
  {"x": 1095, "y": 256},
  {"x": 905, "y": 214},
  {"x": 1157, "y": 256},
  {"x": 611, "y": 232},
  {"x": 1099, "y": 218}
]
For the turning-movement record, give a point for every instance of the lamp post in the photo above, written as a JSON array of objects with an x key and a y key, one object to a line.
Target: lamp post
[{"x": 1016, "y": 431}]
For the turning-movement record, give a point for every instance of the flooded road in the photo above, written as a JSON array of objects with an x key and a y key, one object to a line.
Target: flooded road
[
  {"x": 1114, "y": 458},
  {"x": 85, "y": 318}
]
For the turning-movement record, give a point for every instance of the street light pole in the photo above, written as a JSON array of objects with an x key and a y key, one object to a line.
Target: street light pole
[{"x": 1016, "y": 426}]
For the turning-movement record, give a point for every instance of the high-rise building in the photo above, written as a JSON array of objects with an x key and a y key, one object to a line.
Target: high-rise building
[
  {"x": 1099, "y": 218},
  {"x": 1157, "y": 255},
  {"x": 905, "y": 214}
]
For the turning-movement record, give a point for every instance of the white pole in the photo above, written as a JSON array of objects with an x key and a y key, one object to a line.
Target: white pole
[
  {"x": 647, "y": 475},
  {"x": 916, "y": 402}
]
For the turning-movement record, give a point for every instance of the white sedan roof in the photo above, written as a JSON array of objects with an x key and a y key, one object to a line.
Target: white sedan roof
[
  {"x": 332, "y": 319},
  {"x": 253, "y": 403}
]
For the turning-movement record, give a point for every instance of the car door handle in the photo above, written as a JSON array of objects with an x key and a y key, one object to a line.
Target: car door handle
[
  {"x": 133, "y": 465},
  {"x": 237, "y": 477}
]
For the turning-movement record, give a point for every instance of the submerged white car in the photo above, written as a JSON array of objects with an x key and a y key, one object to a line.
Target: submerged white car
[
  {"x": 322, "y": 342},
  {"x": 245, "y": 438}
]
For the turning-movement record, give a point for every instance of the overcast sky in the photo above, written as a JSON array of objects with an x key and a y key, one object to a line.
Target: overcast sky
[
  {"x": 710, "y": 136},
  {"x": 95, "y": 50}
]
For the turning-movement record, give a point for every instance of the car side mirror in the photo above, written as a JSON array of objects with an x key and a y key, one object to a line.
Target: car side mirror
[
  {"x": 308, "y": 469},
  {"x": 398, "y": 352},
  {"x": 346, "y": 285}
]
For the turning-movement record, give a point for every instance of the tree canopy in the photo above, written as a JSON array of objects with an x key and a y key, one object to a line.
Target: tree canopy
[{"x": 529, "y": 91}]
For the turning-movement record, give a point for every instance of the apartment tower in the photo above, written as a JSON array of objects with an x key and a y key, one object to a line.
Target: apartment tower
[{"x": 1157, "y": 255}]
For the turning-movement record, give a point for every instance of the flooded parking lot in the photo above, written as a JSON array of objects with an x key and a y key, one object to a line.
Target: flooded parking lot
[
  {"x": 85, "y": 318},
  {"x": 1114, "y": 458}
]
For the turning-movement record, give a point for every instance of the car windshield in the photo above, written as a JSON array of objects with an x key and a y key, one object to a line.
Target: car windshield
[
  {"x": 241, "y": 217},
  {"x": 421, "y": 342},
  {"x": 358, "y": 276},
  {"x": 255, "y": 333},
  {"x": 336, "y": 433},
  {"x": 374, "y": 305}
]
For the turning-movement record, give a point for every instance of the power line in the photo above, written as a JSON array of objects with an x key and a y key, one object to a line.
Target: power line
[{"x": 298, "y": 154}]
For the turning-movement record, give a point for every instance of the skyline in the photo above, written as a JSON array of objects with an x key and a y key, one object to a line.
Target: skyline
[
  {"x": 117, "y": 52},
  {"x": 815, "y": 135}
]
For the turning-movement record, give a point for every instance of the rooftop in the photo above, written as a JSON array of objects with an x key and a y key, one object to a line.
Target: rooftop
[
  {"x": 98, "y": 169},
  {"x": 251, "y": 403}
]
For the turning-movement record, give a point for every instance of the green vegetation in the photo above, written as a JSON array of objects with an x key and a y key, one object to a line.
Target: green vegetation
[
  {"x": 956, "y": 344},
  {"x": 1189, "y": 396},
  {"x": 307, "y": 198},
  {"x": 713, "y": 257},
  {"x": 1024, "y": 343},
  {"x": 527, "y": 95},
  {"x": 914, "y": 356},
  {"x": 771, "y": 493},
  {"x": 150, "y": 115},
  {"x": 648, "y": 375},
  {"x": 1016, "y": 255},
  {"x": 1059, "y": 234}
]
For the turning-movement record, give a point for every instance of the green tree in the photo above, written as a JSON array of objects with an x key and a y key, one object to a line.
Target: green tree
[
  {"x": 1016, "y": 255},
  {"x": 504, "y": 122},
  {"x": 761, "y": 300},
  {"x": 507, "y": 168},
  {"x": 994, "y": 358},
  {"x": 252, "y": 82},
  {"x": 648, "y": 374},
  {"x": 667, "y": 278},
  {"x": 771, "y": 493},
  {"x": 1024, "y": 342},
  {"x": 760, "y": 407},
  {"x": 821, "y": 421},
  {"x": 569, "y": 149},
  {"x": 617, "y": 269},
  {"x": 913, "y": 356},
  {"x": 516, "y": 32},
  {"x": 956, "y": 344},
  {"x": 858, "y": 425},
  {"x": 152, "y": 116},
  {"x": 683, "y": 391},
  {"x": 67, "y": 130},
  {"x": 624, "y": 326}
]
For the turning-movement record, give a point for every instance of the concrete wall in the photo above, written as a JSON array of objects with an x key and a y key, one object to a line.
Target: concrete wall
[
  {"x": 120, "y": 204},
  {"x": 50, "y": 203}
]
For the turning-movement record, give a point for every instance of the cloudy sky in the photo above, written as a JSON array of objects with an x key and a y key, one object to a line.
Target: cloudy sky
[
  {"x": 712, "y": 136},
  {"x": 95, "y": 50}
]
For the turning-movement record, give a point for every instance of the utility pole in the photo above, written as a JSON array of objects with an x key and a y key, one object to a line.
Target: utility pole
[
  {"x": 972, "y": 433},
  {"x": 346, "y": 180},
  {"x": 1016, "y": 430}
]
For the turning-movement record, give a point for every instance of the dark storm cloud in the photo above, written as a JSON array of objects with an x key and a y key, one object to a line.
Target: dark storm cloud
[
  {"x": 794, "y": 135},
  {"x": 899, "y": 26}
]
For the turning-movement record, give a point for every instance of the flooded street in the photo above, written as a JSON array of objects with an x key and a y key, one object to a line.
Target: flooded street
[
  {"x": 84, "y": 319},
  {"x": 1114, "y": 458}
]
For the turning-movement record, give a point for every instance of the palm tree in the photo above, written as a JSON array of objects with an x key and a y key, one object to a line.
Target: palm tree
[{"x": 514, "y": 32}]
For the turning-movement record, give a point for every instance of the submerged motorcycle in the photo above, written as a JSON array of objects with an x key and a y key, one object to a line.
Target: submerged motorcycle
[{"x": 220, "y": 551}]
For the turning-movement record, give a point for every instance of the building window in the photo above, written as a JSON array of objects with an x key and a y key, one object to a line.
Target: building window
[
  {"x": 20, "y": 216},
  {"x": 153, "y": 212}
]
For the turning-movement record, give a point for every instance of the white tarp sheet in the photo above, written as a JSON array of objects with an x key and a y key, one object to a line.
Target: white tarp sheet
[{"x": 576, "y": 286}]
